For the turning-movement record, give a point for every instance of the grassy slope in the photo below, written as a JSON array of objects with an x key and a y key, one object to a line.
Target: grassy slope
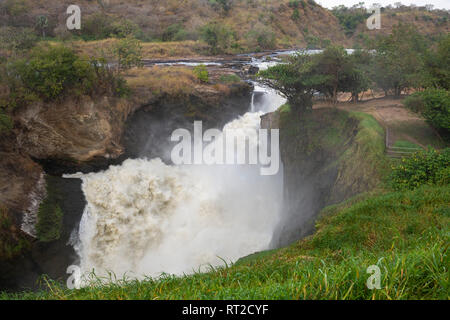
[{"x": 404, "y": 233}]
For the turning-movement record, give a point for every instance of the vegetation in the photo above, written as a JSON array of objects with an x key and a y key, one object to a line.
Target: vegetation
[
  {"x": 329, "y": 73},
  {"x": 12, "y": 242},
  {"x": 127, "y": 53},
  {"x": 423, "y": 168},
  {"x": 219, "y": 37},
  {"x": 50, "y": 215},
  {"x": 350, "y": 18},
  {"x": 398, "y": 59},
  {"x": 201, "y": 73},
  {"x": 434, "y": 105}
]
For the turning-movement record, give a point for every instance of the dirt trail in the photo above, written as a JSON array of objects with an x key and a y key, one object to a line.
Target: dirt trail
[{"x": 400, "y": 123}]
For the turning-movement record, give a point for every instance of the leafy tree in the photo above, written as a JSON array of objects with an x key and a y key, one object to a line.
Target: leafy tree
[
  {"x": 128, "y": 53},
  {"x": 332, "y": 64},
  {"x": 296, "y": 80},
  {"x": 434, "y": 105},
  {"x": 436, "y": 71},
  {"x": 42, "y": 24},
  {"x": 398, "y": 59}
]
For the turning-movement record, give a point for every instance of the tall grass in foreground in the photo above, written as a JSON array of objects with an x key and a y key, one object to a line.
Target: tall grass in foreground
[{"x": 405, "y": 233}]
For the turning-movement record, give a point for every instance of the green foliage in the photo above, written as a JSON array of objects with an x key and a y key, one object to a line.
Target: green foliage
[
  {"x": 230, "y": 78},
  {"x": 42, "y": 24},
  {"x": 398, "y": 59},
  {"x": 350, "y": 18},
  {"x": 12, "y": 243},
  {"x": 128, "y": 53},
  {"x": 174, "y": 32},
  {"x": 218, "y": 37},
  {"x": 15, "y": 8},
  {"x": 101, "y": 26},
  {"x": 201, "y": 73},
  {"x": 224, "y": 5},
  {"x": 295, "y": 15},
  {"x": 48, "y": 72},
  {"x": 423, "y": 168},
  {"x": 50, "y": 215},
  {"x": 434, "y": 105},
  {"x": 436, "y": 71},
  {"x": 295, "y": 79},
  {"x": 6, "y": 123},
  {"x": 17, "y": 39}
]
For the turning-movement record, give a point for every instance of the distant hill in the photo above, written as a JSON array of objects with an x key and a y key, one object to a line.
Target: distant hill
[{"x": 257, "y": 24}]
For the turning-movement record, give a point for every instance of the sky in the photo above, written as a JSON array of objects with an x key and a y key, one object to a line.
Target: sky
[{"x": 440, "y": 4}]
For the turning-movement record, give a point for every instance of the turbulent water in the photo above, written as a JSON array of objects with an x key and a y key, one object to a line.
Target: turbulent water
[{"x": 145, "y": 218}]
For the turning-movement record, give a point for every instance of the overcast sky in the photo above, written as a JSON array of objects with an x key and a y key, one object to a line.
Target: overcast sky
[{"x": 441, "y": 4}]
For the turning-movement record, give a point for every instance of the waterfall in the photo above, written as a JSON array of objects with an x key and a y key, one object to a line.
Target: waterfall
[{"x": 145, "y": 218}]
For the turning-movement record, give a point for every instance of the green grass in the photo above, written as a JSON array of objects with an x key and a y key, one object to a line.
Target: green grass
[
  {"x": 406, "y": 144},
  {"x": 405, "y": 233}
]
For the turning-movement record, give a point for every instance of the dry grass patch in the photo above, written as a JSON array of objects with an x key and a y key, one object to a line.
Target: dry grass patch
[
  {"x": 150, "y": 50},
  {"x": 173, "y": 80}
]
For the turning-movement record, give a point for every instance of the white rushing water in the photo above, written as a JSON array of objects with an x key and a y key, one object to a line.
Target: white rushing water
[{"x": 145, "y": 218}]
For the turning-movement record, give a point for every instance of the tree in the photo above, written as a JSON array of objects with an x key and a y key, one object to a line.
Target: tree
[
  {"x": 128, "y": 53},
  {"x": 42, "y": 24},
  {"x": 398, "y": 59},
  {"x": 436, "y": 71},
  {"x": 331, "y": 64},
  {"x": 295, "y": 80}
]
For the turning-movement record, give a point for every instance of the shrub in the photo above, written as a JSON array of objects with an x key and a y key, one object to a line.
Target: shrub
[
  {"x": 229, "y": 78},
  {"x": 17, "y": 39},
  {"x": 201, "y": 73},
  {"x": 434, "y": 105},
  {"x": 424, "y": 167},
  {"x": 218, "y": 37},
  {"x": 48, "y": 72},
  {"x": 6, "y": 123}
]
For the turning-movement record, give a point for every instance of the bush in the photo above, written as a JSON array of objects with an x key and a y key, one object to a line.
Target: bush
[
  {"x": 423, "y": 168},
  {"x": 218, "y": 37},
  {"x": 201, "y": 73},
  {"x": 230, "y": 78},
  {"x": 48, "y": 72},
  {"x": 434, "y": 105}
]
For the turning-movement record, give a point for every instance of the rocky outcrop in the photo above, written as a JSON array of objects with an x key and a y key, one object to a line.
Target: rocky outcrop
[{"x": 74, "y": 131}]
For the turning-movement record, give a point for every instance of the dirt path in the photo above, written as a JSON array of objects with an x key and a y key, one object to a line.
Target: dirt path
[{"x": 400, "y": 123}]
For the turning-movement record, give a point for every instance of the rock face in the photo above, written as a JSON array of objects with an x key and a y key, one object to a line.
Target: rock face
[
  {"x": 19, "y": 177},
  {"x": 74, "y": 131}
]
